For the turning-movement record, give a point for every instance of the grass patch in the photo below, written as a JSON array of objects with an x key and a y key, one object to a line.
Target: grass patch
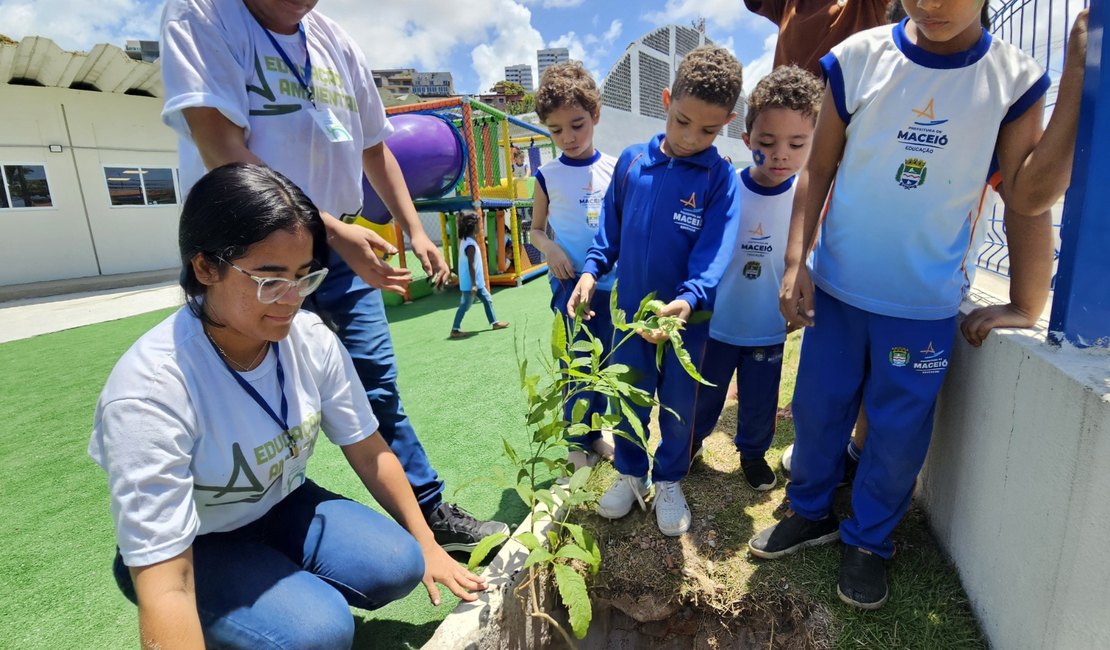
[{"x": 705, "y": 583}]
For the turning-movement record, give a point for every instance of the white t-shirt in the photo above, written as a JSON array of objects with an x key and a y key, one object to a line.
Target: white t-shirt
[
  {"x": 466, "y": 283},
  {"x": 575, "y": 190},
  {"x": 922, "y": 129},
  {"x": 747, "y": 308},
  {"x": 189, "y": 452},
  {"x": 216, "y": 55}
]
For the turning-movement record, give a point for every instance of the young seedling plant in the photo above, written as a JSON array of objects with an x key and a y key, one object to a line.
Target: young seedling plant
[{"x": 577, "y": 366}]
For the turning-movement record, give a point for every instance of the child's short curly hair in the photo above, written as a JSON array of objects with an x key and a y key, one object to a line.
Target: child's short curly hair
[
  {"x": 566, "y": 84},
  {"x": 711, "y": 74},
  {"x": 788, "y": 86}
]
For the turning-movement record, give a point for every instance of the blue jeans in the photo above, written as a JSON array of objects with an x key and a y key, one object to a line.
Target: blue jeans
[
  {"x": 288, "y": 579},
  {"x": 601, "y": 326},
  {"x": 358, "y": 314},
  {"x": 467, "y": 300},
  {"x": 758, "y": 372}
]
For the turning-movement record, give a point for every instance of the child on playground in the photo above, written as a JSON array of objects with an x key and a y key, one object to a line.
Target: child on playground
[
  {"x": 569, "y": 192},
  {"x": 520, "y": 164},
  {"x": 747, "y": 332},
  {"x": 670, "y": 217},
  {"x": 889, "y": 264},
  {"x": 472, "y": 277}
]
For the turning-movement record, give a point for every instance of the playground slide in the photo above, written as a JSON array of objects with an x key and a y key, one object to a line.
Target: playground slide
[{"x": 431, "y": 154}]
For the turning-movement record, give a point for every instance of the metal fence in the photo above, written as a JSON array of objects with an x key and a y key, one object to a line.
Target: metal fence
[{"x": 1040, "y": 28}]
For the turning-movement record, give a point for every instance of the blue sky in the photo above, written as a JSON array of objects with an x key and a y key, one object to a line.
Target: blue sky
[{"x": 473, "y": 39}]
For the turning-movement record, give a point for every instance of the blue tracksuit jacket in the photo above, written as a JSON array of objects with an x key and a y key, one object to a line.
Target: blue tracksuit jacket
[{"x": 671, "y": 221}]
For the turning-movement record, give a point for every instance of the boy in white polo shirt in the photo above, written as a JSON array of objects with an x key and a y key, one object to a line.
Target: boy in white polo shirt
[
  {"x": 569, "y": 192},
  {"x": 747, "y": 330}
]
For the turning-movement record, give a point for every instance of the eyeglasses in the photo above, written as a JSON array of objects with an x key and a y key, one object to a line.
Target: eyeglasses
[{"x": 271, "y": 290}]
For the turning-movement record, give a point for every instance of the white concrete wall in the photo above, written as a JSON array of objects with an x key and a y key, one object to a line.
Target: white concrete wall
[
  {"x": 83, "y": 234},
  {"x": 1017, "y": 487}
]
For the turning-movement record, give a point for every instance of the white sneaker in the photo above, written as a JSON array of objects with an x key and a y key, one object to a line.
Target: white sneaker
[
  {"x": 787, "y": 458},
  {"x": 617, "y": 500},
  {"x": 671, "y": 512}
]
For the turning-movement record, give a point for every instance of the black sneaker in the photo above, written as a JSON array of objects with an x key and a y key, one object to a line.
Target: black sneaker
[
  {"x": 457, "y": 530},
  {"x": 851, "y": 464},
  {"x": 862, "y": 578},
  {"x": 758, "y": 473},
  {"x": 792, "y": 534}
]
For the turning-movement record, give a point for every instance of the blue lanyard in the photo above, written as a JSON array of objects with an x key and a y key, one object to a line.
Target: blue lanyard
[
  {"x": 283, "y": 420},
  {"x": 289, "y": 64}
]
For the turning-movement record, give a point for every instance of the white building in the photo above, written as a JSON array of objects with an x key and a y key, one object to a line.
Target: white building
[
  {"x": 520, "y": 73},
  {"x": 632, "y": 93},
  {"x": 88, "y": 178},
  {"x": 548, "y": 57}
]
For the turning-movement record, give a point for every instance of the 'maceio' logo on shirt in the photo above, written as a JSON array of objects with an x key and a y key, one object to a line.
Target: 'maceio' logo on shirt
[{"x": 689, "y": 217}]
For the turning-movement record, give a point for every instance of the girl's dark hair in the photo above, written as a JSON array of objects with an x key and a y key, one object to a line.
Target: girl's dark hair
[
  {"x": 230, "y": 209},
  {"x": 468, "y": 223}
]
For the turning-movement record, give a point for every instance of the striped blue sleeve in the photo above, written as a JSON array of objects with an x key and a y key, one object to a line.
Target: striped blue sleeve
[{"x": 834, "y": 78}]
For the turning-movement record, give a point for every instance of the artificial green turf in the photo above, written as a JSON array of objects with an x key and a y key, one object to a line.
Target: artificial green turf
[{"x": 55, "y": 566}]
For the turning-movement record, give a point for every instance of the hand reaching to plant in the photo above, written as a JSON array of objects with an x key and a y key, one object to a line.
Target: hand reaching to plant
[
  {"x": 676, "y": 308},
  {"x": 581, "y": 296},
  {"x": 442, "y": 568}
]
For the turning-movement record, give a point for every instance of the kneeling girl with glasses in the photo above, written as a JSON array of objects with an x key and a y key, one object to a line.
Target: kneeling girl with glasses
[{"x": 205, "y": 428}]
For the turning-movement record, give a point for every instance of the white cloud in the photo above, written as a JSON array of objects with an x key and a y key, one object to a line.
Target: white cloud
[
  {"x": 80, "y": 25},
  {"x": 555, "y": 4},
  {"x": 724, "y": 14},
  {"x": 760, "y": 66},
  {"x": 590, "y": 49}
]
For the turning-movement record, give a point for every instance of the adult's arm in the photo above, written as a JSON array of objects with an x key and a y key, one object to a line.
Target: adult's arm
[
  {"x": 814, "y": 182},
  {"x": 221, "y": 142},
  {"x": 382, "y": 474},
  {"x": 384, "y": 173},
  {"x": 168, "y": 616}
]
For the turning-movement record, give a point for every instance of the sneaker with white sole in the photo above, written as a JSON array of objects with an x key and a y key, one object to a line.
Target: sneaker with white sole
[
  {"x": 671, "y": 512},
  {"x": 618, "y": 499}
]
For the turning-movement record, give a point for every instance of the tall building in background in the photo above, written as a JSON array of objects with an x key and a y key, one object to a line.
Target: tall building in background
[
  {"x": 632, "y": 92},
  {"x": 549, "y": 57},
  {"x": 520, "y": 73}
]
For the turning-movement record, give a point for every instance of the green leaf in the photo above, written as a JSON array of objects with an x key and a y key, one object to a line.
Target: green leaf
[
  {"x": 699, "y": 317},
  {"x": 525, "y": 492},
  {"x": 582, "y": 347},
  {"x": 659, "y": 348},
  {"x": 572, "y": 589},
  {"x": 575, "y": 552},
  {"x": 642, "y": 310},
  {"x": 579, "y": 410},
  {"x": 488, "y": 543},
  {"x": 686, "y": 362},
  {"x": 539, "y": 555},
  {"x": 510, "y": 452},
  {"x": 578, "y": 481},
  {"x": 620, "y": 320},
  {"x": 529, "y": 541},
  {"x": 558, "y": 337}
]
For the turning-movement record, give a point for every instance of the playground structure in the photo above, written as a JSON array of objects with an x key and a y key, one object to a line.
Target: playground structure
[{"x": 456, "y": 154}]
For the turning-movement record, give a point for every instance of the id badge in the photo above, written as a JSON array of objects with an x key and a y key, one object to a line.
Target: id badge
[
  {"x": 330, "y": 125},
  {"x": 293, "y": 472}
]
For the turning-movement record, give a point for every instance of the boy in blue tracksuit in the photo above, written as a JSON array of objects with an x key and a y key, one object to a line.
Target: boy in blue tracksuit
[{"x": 670, "y": 216}]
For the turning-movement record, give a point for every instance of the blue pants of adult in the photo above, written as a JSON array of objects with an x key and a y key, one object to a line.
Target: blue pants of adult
[
  {"x": 358, "y": 313},
  {"x": 896, "y": 367},
  {"x": 675, "y": 390},
  {"x": 288, "y": 580},
  {"x": 601, "y": 326},
  {"x": 758, "y": 371},
  {"x": 467, "y": 300}
]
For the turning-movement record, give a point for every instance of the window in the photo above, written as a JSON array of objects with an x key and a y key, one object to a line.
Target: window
[
  {"x": 141, "y": 185},
  {"x": 24, "y": 186}
]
